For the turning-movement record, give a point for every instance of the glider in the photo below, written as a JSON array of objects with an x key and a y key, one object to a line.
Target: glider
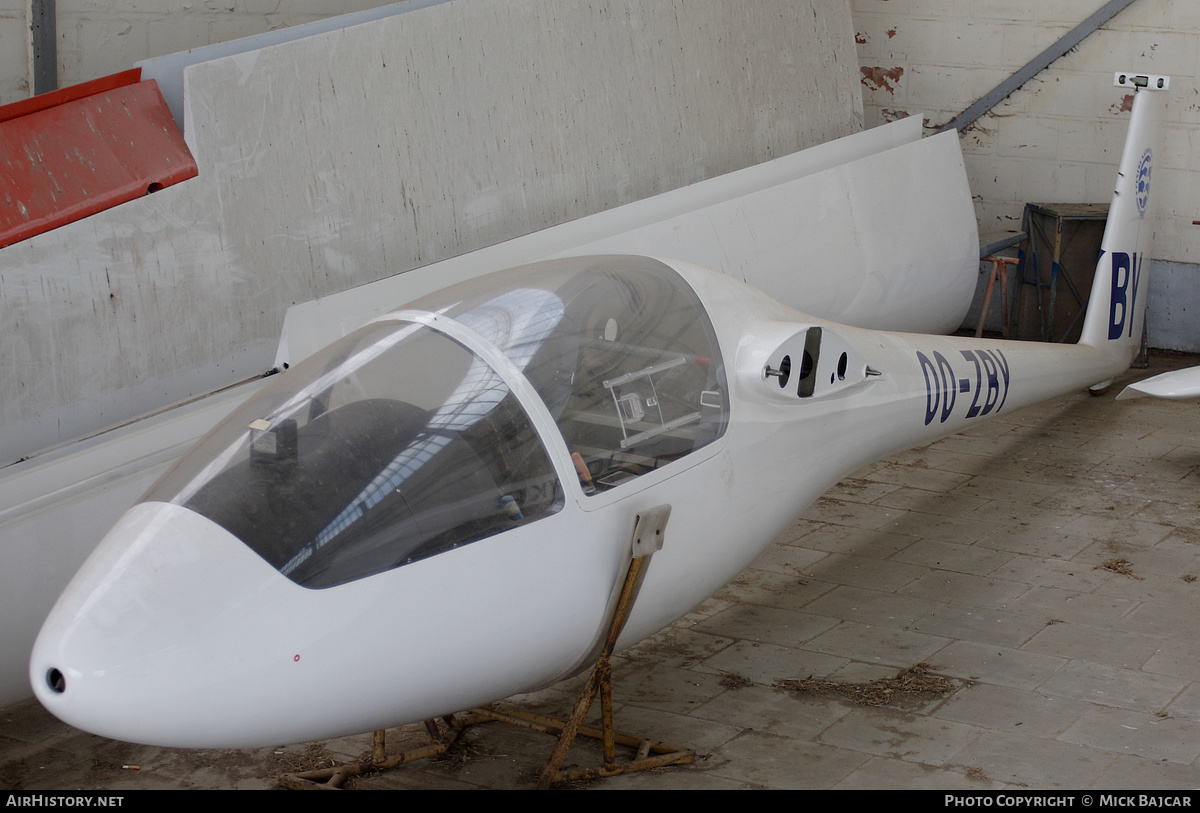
[{"x": 435, "y": 511}]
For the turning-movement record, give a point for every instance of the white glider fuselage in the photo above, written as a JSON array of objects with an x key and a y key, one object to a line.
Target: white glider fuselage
[
  {"x": 233, "y": 607},
  {"x": 177, "y": 633}
]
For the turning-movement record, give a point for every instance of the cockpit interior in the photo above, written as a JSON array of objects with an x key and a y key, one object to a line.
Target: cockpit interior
[{"x": 400, "y": 441}]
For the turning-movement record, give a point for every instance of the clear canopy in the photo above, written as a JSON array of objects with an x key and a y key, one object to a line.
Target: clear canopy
[
  {"x": 393, "y": 444},
  {"x": 398, "y": 442},
  {"x": 619, "y": 348}
]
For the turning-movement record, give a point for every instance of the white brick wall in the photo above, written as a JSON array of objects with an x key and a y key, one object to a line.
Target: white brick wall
[
  {"x": 99, "y": 37},
  {"x": 14, "y": 50},
  {"x": 14, "y": 57},
  {"x": 1058, "y": 138}
]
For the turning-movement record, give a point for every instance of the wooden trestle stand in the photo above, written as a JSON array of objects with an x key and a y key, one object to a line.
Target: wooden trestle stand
[{"x": 647, "y": 538}]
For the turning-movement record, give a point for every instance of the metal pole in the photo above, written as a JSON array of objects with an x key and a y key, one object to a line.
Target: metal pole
[
  {"x": 43, "y": 33},
  {"x": 1039, "y": 63}
]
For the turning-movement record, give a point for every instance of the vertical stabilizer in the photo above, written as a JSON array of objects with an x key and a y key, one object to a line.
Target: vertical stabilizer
[{"x": 1117, "y": 306}]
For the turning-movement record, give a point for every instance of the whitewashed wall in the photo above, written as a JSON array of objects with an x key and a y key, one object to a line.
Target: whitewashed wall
[
  {"x": 99, "y": 37},
  {"x": 1057, "y": 139},
  {"x": 14, "y": 50},
  {"x": 336, "y": 160}
]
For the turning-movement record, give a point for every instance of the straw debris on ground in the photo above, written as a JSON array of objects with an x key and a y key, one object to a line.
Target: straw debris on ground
[
  {"x": 1122, "y": 566},
  {"x": 732, "y": 680},
  {"x": 313, "y": 758},
  {"x": 914, "y": 682}
]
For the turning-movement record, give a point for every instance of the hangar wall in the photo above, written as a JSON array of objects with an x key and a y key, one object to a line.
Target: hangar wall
[
  {"x": 99, "y": 37},
  {"x": 1058, "y": 138},
  {"x": 14, "y": 50},
  {"x": 339, "y": 159}
]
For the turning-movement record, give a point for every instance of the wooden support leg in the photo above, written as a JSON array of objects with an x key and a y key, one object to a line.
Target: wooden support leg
[{"x": 999, "y": 271}]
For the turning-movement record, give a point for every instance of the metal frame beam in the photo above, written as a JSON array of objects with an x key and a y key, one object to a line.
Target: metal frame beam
[
  {"x": 1039, "y": 63},
  {"x": 43, "y": 37}
]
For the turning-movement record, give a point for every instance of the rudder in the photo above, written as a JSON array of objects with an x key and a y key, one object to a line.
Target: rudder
[{"x": 1117, "y": 305}]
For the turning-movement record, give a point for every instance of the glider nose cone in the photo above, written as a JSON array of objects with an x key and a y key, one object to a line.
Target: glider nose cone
[{"x": 133, "y": 646}]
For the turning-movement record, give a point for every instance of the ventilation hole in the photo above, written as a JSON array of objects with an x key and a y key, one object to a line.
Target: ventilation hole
[
  {"x": 842, "y": 362},
  {"x": 56, "y": 681}
]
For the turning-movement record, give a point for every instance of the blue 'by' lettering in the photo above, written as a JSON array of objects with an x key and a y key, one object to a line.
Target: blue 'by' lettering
[{"x": 1126, "y": 275}]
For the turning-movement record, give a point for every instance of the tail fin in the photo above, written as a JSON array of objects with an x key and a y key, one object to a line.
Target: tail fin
[{"x": 1117, "y": 305}]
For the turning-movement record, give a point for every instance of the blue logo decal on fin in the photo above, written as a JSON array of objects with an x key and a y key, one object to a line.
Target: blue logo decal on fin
[{"x": 1143, "y": 183}]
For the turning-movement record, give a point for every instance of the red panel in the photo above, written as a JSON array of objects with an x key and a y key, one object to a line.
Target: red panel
[
  {"x": 69, "y": 94},
  {"x": 83, "y": 155}
]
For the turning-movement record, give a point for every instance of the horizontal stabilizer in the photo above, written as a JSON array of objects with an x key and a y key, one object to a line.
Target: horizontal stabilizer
[{"x": 1177, "y": 384}]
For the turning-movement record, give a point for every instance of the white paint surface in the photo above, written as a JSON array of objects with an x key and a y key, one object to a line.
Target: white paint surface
[{"x": 55, "y": 508}]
